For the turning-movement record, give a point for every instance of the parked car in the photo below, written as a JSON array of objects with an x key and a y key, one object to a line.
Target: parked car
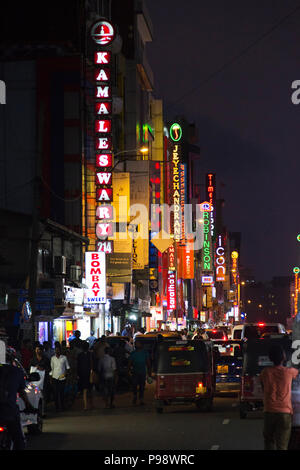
[{"x": 33, "y": 421}]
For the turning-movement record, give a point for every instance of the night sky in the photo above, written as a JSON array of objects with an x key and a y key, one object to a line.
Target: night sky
[{"x": 249, "y": 129}]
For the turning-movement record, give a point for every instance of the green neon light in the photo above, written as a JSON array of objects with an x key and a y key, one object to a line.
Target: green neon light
[
  {"x": 296, "y": 270},
  {"x": 175, "y": 132}
]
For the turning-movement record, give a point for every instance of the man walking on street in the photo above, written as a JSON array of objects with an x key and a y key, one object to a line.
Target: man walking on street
[
  {"x": 59, "y": 368},
  {"x": 108, "y": 370},
  {"x": 276, "y": 382},
  {"x": 140, "y": 362}
]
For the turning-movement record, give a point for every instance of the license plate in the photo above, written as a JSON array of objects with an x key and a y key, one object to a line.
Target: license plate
[{"x": 222, "y": 369}]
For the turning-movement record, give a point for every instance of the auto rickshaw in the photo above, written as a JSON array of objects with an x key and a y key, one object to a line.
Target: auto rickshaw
[
  {"x": 229, "y": 362},
  {"x": 150, "y": 341},
  {"x": 185, "y": 373},
  {"x": 255, "y": 359}
]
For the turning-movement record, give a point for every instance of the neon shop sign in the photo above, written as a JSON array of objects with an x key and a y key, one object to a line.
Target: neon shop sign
[
  {"x": 206, "y": 251},
  {"x": 211, "y": 195},
  {"x": 102, "y": 32},
  {"x": 220, "y": 260}
]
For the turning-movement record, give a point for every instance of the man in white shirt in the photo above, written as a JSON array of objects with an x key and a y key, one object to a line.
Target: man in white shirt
[
  {"x": 59, "y": 369},
  {"x": 108, "y": 369}
]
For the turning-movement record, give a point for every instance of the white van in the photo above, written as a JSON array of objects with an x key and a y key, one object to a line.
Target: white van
[
  {"x": 237, "y": 332},
  {"x": 256, "y": 330}
]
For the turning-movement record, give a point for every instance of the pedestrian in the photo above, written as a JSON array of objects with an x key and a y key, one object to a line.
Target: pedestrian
[
  {"x": 41, "y": 364},
  {"x": 84, "y": 366},
  {"x": 121, "y": 358},
  {"x": 99, "y": 348},
  {"x": 91, "y": 339},
  {"x": 127, "y": 331},
  {"x": 139, "y": 361},
  {"x": 98, "y": 353},
  {"x": 59, "y": 369},
  {"x": 40, "y": 361},
  {"x": 276, "y": 382},
  {"x": 108, "y": 369},
  {"x": 77, "y": 342},
  {"x": 64, "y": 348},
  {"x": 72, "y": 378},
  {"x": 71, "y": 337},
  {"x": 48, "y": 351},
  {"x": 26, "y": 354},
  {"x": 140, "y": 331},
  {"x": 184, "y": 334}
]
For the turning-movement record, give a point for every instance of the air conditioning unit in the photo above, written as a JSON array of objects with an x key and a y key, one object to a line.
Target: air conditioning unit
[
  {"x": 75, "y": 273},
  {"x": 60, "y": 265}
]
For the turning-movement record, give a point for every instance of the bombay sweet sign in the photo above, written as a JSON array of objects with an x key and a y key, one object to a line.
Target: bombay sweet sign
[{"x": 95, "y": 278}]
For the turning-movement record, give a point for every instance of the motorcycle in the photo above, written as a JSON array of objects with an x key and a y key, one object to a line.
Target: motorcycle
[{"x": 6, "y": 442}]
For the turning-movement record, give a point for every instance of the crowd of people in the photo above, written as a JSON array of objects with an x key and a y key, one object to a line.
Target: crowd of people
[{"x": 84, "y": 367}]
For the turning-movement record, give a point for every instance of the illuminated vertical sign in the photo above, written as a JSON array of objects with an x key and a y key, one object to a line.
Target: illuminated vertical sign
[
  {"x": 175, "y": 136},
  {"x": 234, "y": 263},
  {"x": 95, "y": 278},
  {"x": 102, "y": 33},
  {"x": 172, "y": 261},
  {"x": 186, "y": 259},
  {"x": 211, "y": 197},
  {"x": 176, "y": 193},
  {"x": 296, "y": 271},
  {"x": 220, "y": 260},
  {"x": 171, "y": 291},
  {"x": 206, "y": 250},
  {"x": 182, "y": 197}
]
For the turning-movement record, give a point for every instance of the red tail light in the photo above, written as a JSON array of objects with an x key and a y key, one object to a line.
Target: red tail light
[
  {"x": 261, "y": 324},
  {"x": 1, "y": 429}
]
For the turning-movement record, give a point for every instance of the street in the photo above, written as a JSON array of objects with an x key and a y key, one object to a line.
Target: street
[{"x": 129, "y": 427}]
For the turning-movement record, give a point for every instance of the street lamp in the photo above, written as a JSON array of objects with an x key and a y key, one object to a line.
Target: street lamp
[{"x": 142, "y": 151}]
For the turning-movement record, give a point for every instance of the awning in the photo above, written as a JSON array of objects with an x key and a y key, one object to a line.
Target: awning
[{"x": 46, "y": 318}]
